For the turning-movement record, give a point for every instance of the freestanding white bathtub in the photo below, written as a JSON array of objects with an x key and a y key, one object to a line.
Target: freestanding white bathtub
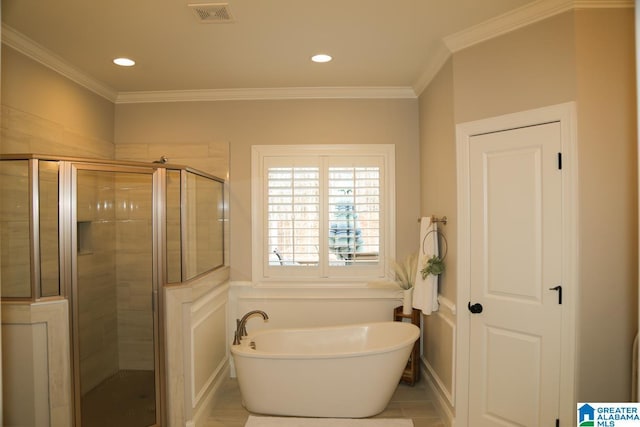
[{"x": 341, "y": 372}]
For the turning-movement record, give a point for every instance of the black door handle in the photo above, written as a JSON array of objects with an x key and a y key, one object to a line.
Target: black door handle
[
  {"x": 559, "y": 289},
  {"x": 475, "y": 308}
]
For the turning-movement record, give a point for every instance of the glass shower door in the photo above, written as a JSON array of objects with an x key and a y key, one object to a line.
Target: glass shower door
[{"x": 115, "y": 321}]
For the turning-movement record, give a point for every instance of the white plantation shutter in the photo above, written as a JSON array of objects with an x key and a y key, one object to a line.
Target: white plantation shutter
[
  {"x": 293, "y": 215},
  {"x": 354, "y": 215},
  {"x": 319, "y": 215}
]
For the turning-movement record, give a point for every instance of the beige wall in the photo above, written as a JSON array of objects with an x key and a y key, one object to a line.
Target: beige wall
[
  {"x": 584, "y": 56},
  {"x": 246, "y": 123},
  {"x": 438, "y": 166},
  {"x": 528, "y": 68},
  {"x": 45, "y": 113},
  {"x": 439, "y": 197},
  {"x": 607, "y": 202}
]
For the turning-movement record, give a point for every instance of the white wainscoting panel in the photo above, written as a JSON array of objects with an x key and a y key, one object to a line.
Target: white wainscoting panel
[
  {"x": 36, "y": 364},
  {"x": 196, "y": 344},
  {"x": 209, "y": 346},
  {"x": 439, "y": 354}
]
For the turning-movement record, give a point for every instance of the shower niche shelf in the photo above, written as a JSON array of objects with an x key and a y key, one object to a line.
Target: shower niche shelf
[{"x": 85, "y": 238}]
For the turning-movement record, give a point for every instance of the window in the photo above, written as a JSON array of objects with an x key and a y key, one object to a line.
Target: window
[{"x": 322, "y": 212}]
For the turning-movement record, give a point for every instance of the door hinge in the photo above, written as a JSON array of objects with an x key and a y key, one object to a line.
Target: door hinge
[
  {"x": 560, "y": 161},
  {"x": 557, "y": 422}
]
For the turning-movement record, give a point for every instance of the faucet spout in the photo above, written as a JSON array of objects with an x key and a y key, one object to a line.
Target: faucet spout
[{"x": 241, "y": 329}]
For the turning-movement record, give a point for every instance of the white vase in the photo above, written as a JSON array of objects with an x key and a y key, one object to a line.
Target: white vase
[{"x": 407, "y": 301}]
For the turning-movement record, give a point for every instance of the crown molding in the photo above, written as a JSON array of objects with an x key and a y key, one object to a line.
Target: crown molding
[
  {"x": 267, "y": 94},
  {"x": 440, "y": 57},
  {"x": 35, "y": 51},
  {"x": 510, "y": 21},
  {"x": 603, "y": 4},
  {"x": 507, "y": 22},
  {"x": 523, "y": 16}
]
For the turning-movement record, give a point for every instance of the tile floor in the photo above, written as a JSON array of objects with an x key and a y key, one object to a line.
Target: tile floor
[
  {"x": 126, "y": 399},
  {"x": 413, "y": 402}
]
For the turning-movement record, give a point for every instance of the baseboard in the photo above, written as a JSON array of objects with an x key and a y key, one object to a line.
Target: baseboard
[
  {"x": 441, "y": 403},
  {"x": 205, "y": 409}
]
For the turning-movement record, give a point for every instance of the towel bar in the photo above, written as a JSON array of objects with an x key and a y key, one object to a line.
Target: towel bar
[{"x": 434, "y": 218}]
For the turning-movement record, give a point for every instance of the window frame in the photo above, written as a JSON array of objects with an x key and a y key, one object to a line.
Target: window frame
[{"x": 302, "y": 155}]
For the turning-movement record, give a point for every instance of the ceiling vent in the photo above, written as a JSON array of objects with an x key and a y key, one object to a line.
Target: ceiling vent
[{"x": 212, "y": 12}]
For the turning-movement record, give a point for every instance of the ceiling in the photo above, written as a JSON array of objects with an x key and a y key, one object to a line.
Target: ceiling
[{"x": 374, "y": 43}]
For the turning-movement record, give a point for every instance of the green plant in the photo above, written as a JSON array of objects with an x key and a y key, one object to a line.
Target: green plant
[
  {"x": 406, "y": 271},
  {"x": 434, "y": 265}
]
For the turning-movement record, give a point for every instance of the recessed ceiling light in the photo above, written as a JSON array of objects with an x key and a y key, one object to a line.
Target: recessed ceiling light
[
  {"x": 124, "y": 62},
  {"x": 321, "y": 58}
]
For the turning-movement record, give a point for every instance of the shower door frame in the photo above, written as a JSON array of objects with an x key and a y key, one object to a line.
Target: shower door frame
[{"x": 69, "y": 176}]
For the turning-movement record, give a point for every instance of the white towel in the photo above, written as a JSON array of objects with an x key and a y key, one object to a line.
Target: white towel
[{"x": 425, "y": 293}]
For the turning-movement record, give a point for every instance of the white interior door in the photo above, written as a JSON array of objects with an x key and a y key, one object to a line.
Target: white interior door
[{"x": 515, "y": 188}]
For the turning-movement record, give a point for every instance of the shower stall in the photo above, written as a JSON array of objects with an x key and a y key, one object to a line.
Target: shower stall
[{"x": 108, "y": 236}]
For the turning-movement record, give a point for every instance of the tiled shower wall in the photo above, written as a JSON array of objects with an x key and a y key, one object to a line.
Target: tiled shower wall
[
  {"x": 115, "y": 276},
  {"x": 26, "y": 133},
  {"x": 209, "y": 157},
  {"x": 22, "y": 132},
  {"x": 133, "y": 271},
  {"x": 116, "y": 323},
  {"x": 15, "y": 216},
  {"x": 96, "y": 293},
  {"x": 204, "y": 230},
  {"x": 14, "y": 229}
]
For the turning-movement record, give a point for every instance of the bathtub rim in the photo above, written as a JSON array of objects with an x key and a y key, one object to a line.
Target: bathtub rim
[{"x": 244, "y": 349}]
